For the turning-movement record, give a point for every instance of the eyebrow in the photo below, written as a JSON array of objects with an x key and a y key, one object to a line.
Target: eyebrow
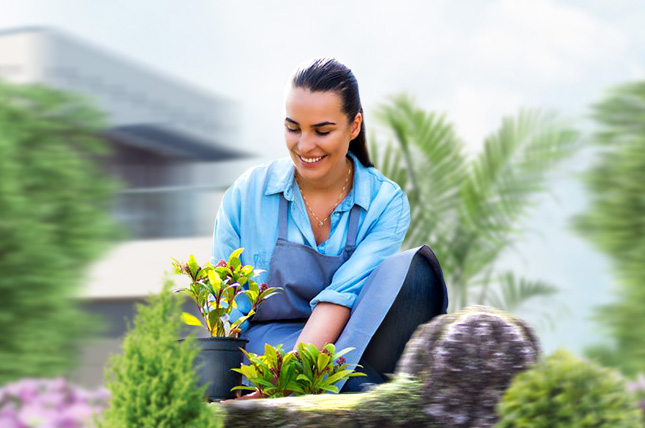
[{"x": 313, "y": 126}]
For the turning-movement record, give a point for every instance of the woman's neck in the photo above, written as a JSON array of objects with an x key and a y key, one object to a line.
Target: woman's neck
[{"x": 331, "y": 184}]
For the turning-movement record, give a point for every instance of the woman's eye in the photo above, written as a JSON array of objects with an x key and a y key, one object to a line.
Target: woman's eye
[{"x": 298, "y": 130}]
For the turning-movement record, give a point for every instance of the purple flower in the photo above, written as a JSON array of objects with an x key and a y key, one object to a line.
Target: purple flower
[
  {"x": 221, "y": 263},
  {"x": 49, "y": 403},
  {"x": 341, "y": 361},
  {"x": 36, "y": 414},
  {"x": 638, "y": 385},
  {"x": 263, "y": 287},
  {"x": 184, "y": 268},
  {"x": 10, "y": 422}
]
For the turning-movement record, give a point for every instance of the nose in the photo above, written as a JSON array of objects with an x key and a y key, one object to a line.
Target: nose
[{"x": 306, "y": 143}]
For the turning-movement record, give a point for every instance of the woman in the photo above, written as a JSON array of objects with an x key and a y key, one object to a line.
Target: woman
[{"x": 320, "y": 223}]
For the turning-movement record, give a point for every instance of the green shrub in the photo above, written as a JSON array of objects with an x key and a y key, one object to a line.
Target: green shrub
[
  {"x": 153, "y": 383},
  {"x": 54, "y": 221},
  {"x": 568, "y": 392}
]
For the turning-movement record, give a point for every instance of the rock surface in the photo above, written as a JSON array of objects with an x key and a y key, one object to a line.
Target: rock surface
[{"x": 452, "y": 373}]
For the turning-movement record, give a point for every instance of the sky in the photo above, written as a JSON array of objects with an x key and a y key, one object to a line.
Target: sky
[{"x": 477, "y": 61}]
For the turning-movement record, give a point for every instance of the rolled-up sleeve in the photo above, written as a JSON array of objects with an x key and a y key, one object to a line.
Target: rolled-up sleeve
[
  {"x": 383, "y": 238},
  {"x": 226, "y": 232}
]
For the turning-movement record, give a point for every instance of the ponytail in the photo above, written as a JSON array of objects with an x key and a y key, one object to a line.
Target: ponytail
[{"x": 358, "y": 146}]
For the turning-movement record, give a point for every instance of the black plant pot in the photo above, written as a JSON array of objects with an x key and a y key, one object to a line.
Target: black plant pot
[{"x": 217, "y": 356}]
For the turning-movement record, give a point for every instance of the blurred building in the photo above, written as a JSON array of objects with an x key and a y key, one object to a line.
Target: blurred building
[
  {"x": 172, "y": 147},
  {"x": 171, "y": 141}
]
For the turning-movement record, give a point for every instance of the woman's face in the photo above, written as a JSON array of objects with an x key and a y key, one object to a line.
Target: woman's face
[{"x": 318, "y": 134}]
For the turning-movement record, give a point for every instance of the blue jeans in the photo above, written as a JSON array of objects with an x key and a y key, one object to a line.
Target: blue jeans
[{"x": 419, "y": 300}]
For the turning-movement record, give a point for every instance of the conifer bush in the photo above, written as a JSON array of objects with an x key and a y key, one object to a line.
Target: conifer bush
[
  {"x": 153, "y": 383},
  {"x": 563, "y": 391}
]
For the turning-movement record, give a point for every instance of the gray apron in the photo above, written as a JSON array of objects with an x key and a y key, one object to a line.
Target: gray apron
[{"x": 303, "y": 273}]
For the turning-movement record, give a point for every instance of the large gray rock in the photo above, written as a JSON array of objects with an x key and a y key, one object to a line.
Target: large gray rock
[
  {"x": 452, "y": 373},
  {"x": 466, "y": 361}
]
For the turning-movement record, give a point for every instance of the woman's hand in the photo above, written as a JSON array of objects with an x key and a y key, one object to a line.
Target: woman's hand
[
  {"x": 252, "y": 395},
  {"x": 249, "y": 396}
]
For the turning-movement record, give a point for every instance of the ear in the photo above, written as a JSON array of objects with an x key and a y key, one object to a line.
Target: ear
[{"x": 356, "y": 125}]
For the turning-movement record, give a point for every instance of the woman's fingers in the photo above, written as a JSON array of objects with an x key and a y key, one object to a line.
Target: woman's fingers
[
  {"x": 254, "y": 394},
  {"x": 239, "y": 396}
]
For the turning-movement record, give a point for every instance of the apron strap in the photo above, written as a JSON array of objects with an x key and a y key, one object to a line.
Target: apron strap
[
  {"x": 283, "y": 217},
  {"x": 354, "y": 216}
]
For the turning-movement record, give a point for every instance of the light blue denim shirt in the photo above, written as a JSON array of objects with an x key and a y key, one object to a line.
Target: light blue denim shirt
[{"x": 248, "y": 218}]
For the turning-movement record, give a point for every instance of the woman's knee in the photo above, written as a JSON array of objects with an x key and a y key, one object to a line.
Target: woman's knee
[{"x": 421, "y": 292}]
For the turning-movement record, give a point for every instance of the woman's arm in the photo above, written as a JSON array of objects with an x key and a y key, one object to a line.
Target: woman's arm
[{"x": 325, "y": 324}]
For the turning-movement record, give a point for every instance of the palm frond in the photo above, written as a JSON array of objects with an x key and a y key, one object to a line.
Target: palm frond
[
  {"x": 432, "y": 157},
  {"x": 512, "y": 292},
  {"x": 433, "y": 153},
  {"x": 470, "y": 211},
  {"x": 512, "y": 168}
]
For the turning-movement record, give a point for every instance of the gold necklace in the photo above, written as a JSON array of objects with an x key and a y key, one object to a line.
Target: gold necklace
[{"x": 322, "y": 222}]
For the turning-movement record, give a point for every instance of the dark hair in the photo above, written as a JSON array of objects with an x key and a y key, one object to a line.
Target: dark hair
[{"x": 329, "y": 75}]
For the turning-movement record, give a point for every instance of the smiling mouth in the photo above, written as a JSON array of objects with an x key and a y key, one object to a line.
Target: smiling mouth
[{"x": 311, "y": 160}]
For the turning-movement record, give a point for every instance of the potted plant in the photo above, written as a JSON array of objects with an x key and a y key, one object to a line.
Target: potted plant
[{"x": 214, "y": 290}]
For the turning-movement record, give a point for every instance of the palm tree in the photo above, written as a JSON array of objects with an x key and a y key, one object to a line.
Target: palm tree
[
  {"x": 615, "y": 221},
  {"x": 470, "y": 210}
]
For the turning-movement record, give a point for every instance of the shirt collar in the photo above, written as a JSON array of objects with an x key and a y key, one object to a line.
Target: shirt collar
[{"x": 282, "y": 179}]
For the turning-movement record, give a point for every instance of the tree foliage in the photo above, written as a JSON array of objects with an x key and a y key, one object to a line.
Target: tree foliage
[
  {"x": 470, "y": 210},
  {"x": 615, "y": 220},
  {"x": 54, "y": 220}
]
